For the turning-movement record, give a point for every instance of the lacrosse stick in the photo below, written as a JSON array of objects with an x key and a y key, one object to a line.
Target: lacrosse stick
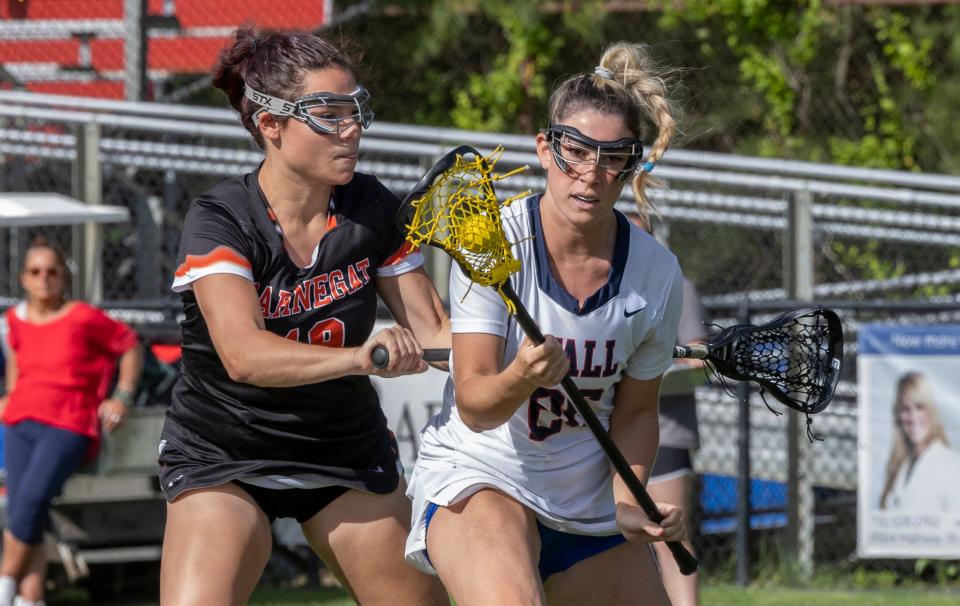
[
  {"x": 796, "y": 357},
  {"x": 455, "y": 208}
]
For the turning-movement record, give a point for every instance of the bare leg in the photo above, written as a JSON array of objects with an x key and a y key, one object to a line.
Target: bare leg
[
  {"x": 16, "y": 556},
  {"x": 26, "y": 563},
  {"x": 34, "y": 578},
  {"x": 486, "y": 549},
  {"x": 683, "y": 590},
  {"x": 361, "y": 537},
  {"x": 215, "y": 547},
  {"x": 624, "y": 575}
]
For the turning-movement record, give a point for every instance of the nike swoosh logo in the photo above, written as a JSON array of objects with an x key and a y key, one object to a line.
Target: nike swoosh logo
[{"x": 627, "y": 314}]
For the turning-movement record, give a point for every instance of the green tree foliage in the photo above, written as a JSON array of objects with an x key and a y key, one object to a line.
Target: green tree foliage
[
  {"x": 865, "y": 85},
  {"x": 849, "y": 84},
  {"x": 854, "y": 84},
  {"x": 512, "y": 91},
  {"x": 471, "y": 64}
]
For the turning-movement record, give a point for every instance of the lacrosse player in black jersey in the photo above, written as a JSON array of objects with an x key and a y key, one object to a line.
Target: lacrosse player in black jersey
[{"x": 274, "y": 415}]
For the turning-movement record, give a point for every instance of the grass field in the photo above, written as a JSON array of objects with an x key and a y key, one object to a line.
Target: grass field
[
  {"x": 738, "y": 596},
  {"x": 712, "y": 596}
]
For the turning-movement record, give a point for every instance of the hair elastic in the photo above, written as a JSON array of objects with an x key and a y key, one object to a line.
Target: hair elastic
[
  {"x": 603, "y": 72},
  {"x": 647, "y": 166}
]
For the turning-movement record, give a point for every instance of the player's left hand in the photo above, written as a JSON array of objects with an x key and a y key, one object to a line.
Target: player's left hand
[
  {"x": 112, "y": 412},
  {"x": 636, "y": 526}
]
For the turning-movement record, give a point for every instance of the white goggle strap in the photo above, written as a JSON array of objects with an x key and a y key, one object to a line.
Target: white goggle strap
[
  {"x": 282, "y": 107},
  {"x": 273, "y": 105}
]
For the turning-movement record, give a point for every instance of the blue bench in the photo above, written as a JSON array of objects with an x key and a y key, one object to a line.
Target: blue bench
[{"x": 718, "y": 503}]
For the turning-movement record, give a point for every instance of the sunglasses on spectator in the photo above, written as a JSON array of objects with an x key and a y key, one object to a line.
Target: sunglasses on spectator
[{"x": 45, "y": 271}]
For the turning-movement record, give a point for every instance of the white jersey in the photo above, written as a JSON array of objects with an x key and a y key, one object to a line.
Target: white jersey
[{"x": 545, "y": 456}]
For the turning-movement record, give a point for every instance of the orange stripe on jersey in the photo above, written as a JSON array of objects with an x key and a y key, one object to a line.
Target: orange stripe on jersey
[
  {"x": 219, "y": 254},
  {"x": 398, "y": 256},
  {"x": 331, "y": 220}
]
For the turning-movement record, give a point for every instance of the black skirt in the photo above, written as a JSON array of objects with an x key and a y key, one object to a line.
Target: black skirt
[{"x": 188, "y": 461}]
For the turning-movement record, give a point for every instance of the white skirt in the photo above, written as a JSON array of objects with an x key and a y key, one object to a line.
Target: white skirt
[{"x": 444, "y": 483}]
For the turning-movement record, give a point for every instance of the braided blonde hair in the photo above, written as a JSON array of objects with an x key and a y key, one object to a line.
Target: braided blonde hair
[{"x": 630, "y": 86}]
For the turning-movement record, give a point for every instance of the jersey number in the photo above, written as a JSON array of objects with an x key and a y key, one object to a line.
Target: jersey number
[
  {"x": 549, "y": 409},
  {"x": 327, "y": 332}
]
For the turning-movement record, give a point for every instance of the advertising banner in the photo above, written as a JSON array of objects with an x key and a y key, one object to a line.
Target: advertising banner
[{"x": 909, "y": 433}]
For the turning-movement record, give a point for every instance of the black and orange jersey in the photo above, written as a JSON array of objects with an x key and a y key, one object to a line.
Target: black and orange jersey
[{"x": 332, "y": 429}]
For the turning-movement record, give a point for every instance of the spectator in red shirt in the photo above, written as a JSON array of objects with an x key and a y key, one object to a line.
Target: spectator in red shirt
[{"x": 61, "y": 357}]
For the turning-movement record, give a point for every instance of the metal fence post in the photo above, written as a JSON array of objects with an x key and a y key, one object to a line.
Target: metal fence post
[
  {"x": 134, "y": 49},
  {"x": 798, "y": 277},
  {"x": 87, "y": 185},
  {"x": 148, "y": 223}
]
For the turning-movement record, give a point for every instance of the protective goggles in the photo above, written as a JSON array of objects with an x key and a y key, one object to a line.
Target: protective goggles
[
  {"x": 572, "y": 149},
  {"x": 324, "y": 113}
]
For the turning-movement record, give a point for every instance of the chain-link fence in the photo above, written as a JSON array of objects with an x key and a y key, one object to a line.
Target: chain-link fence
[
  {"x": 746, "y": 230},
  {"x": 864, "y": 82},
  {"x": 133, "y": 49}
]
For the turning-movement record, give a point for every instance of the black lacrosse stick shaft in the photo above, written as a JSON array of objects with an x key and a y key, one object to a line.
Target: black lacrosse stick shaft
[
  {"x": 685, "y": 560},
  {"x": 381, "y": 357}
]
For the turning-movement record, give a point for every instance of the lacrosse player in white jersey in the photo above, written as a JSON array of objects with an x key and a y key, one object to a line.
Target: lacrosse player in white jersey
[{"x": 514, "y": 501}]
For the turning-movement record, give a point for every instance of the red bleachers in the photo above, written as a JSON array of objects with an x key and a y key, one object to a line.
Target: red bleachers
[
  {"x": 270, "y": 14},
  {"x": 103, "y": 89},
  {"x": 184, "y": 55},
  {"x": 106, "y": 54},
  {"x": 61, "y": 9},
  {"x": 187, "y": 51},
  {"x": 63, "y": 52},
  {"x": 274, "y": 14}
]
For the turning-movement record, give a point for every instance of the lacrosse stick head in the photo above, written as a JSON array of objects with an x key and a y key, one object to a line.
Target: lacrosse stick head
[
  {"x": 454, "y": 207},
  {"x": 797, "y": 357}
]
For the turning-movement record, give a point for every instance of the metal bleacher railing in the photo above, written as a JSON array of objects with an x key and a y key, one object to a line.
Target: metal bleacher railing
[{"x": 753, "y": 233}]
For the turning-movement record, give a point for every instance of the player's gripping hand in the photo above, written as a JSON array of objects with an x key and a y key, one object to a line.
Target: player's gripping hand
[
  {"x": 405, "y": 353},
  {"x": 636, "y": 526},
  {"x": 542, "y": 365}
]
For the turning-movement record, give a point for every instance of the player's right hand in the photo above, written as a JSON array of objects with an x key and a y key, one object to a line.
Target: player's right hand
[
  {"x": 543, "y": 365},
  {"x": 636, "y": 526},
  {"x": 406, "y": 355}
]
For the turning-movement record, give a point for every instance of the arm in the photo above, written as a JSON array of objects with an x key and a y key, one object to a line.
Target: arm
[
  {"x": 10, "y": 377},
  {"x": 415, "y": 304},
  {"x": 635, "y": 428},
  {"x": 252, "y": 354},
  {"x": 486, "y": 396},
  {"x": 113, "y": 410},
  {"x": 131, "y": 366}
]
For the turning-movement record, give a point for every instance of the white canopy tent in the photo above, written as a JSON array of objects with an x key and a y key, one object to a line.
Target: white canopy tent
[
  {"x": 49, "y": 209},
  {"x": 36, "y": 209}
]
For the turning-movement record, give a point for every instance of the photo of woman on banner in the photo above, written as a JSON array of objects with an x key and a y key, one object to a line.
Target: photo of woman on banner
[{"x": 921, "y": 453}]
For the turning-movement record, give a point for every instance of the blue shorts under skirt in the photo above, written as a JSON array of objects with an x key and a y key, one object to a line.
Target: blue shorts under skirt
[{"x": 558, "y": 550}]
